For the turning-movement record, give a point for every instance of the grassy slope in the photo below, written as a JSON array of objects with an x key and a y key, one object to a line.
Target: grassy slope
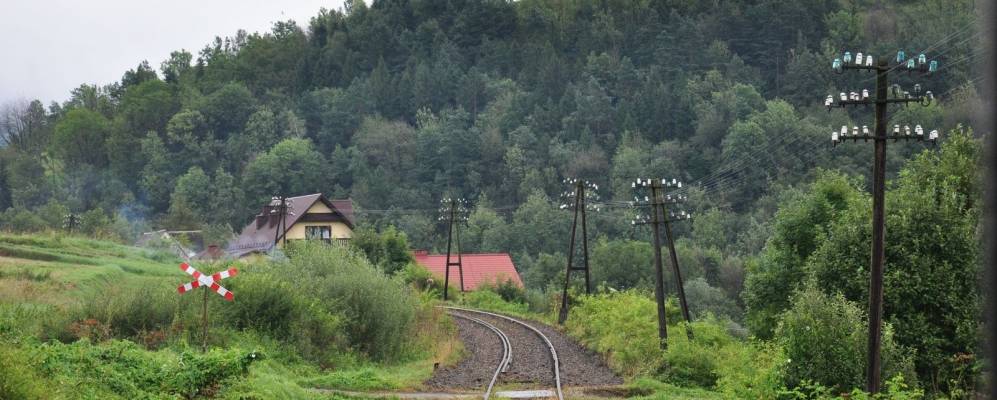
[
  {"x": 50, "y": 274},
  {"x": 59, "y": 270}
]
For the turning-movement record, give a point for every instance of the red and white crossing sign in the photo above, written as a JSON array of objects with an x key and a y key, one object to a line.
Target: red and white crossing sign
[{"x": 210, "y": 281}]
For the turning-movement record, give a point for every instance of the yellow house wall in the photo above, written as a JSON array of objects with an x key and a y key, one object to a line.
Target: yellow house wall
[
  {"x": 339, "y": 230},
  {"x": 319, "y": 208}
]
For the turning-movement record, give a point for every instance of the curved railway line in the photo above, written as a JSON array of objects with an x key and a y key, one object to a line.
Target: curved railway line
[
  {"x": 507, "y": 345},
  {"x": 506, "y": 349}
]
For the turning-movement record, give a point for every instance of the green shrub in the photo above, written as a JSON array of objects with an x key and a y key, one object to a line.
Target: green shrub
[
  {"x": 507, "y": 289},
  {"x": 54, "y": 214},
  {"x": 388, "y": 250},
  {"x": 750, "y": 370},
  {"x": 265, "y": 304},
  {"x": 271, "y": 306},
  {"x": 379, "y": 311},
  {"x": 21, "y": 220},
  {"x": 420, "y": 278},
  {"x": 130, "y": 311},
  {"x": 122, "y": 369},
  {"x": 689, "y": 362},
  {"x": 893, "y": 389},
  {"x": 18, "y": 377},
  {"x": 704, "y": 299},
  {"x": 95, "y": 223},
  {"x": 489, "y": 300},
  {"x": 623, "y": 326},
  {"x": 540, "y": 302},
  {"x": 824, "y": 338},
  {"x": 694, "y": 362}
]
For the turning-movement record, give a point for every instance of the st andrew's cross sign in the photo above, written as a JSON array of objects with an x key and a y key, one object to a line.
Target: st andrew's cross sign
[{"x": 210, "y": 281}]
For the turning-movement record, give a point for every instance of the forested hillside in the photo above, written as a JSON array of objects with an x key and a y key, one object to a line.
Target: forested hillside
[{"x": 398, "y": 103}]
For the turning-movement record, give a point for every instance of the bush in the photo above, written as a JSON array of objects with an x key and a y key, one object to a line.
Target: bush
[
  {"x": 492, "y": 301},
  {"x": 824, "y": 338},
  {"x": 95, "y": 223},
  {"x": 420, "y": 278},
  {"x": 507, "y": 289},
  {"x": 122, "y": 369},
  {"x": 21, "y": 220},
  {"x": 623, "y": 326},
  {"x": 540, "y": 302},
  {"x": 705, "y": 299},
  {"x": 379, "y": 311},
  {"x": 127, "y": 312},
  {"x": 271, "y": 306},
  {"x": 752, "y": 370},
  {"x": 691, "y": 362},
  {"x": 388, "y": 250},
  {"x": 893, "y": 389},
  {"x": 18, "y": 378}
]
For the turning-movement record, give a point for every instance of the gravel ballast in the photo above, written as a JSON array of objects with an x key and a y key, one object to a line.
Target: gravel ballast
[{"x": 531, "y": 367}]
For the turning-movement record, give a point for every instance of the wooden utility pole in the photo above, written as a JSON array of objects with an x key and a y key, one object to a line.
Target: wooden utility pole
[
  {"x": 660, "y": 215},
  {"x": 579, "y": 196},
  {"x": 882, "y": 100},
  {"x": 667, "y": 222},
  {"x": 878, "y": 257},
  {"x": 455, "y": 212},
  {"x": 282, "y": 209},
  {"x": 659, "y": 284}
]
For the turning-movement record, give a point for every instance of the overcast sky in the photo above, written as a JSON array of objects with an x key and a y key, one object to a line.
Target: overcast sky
[{"x": 52, "y": 46}]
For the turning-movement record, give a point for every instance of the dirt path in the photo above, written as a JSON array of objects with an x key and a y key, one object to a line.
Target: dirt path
[{"x": 531, "y": 366}]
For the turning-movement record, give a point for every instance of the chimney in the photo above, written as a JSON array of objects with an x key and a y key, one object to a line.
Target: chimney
[{"x": 263, "y": 216}]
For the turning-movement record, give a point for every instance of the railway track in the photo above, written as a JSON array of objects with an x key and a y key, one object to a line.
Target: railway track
[
  {"x": 506, "y": 349},
  {"x": 507, "y": 344}
]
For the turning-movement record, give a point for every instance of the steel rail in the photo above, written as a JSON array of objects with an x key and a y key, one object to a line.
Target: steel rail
[
  {"x": 506, "y": 343},
  {"x": 550, "y": 346},
  {"x": 506, "y": 349}
]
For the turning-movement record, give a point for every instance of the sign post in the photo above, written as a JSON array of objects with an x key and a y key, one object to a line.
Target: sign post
[{"x": 208, "y": 281}]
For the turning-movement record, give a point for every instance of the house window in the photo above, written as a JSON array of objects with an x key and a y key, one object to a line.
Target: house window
[{"x": 318, "y": 233}]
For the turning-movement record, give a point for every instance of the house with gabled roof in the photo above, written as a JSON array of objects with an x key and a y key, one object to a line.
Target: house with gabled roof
[
  {"x": 479, "y": 268},
  {"x": 310, "y": 217}
]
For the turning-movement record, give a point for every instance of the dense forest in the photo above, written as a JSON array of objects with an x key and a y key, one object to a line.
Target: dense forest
[{"x": 399, "y": 103}]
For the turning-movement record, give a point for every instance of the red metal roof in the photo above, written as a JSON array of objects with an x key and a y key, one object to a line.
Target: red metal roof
[{"x": 478, "y": 268}]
